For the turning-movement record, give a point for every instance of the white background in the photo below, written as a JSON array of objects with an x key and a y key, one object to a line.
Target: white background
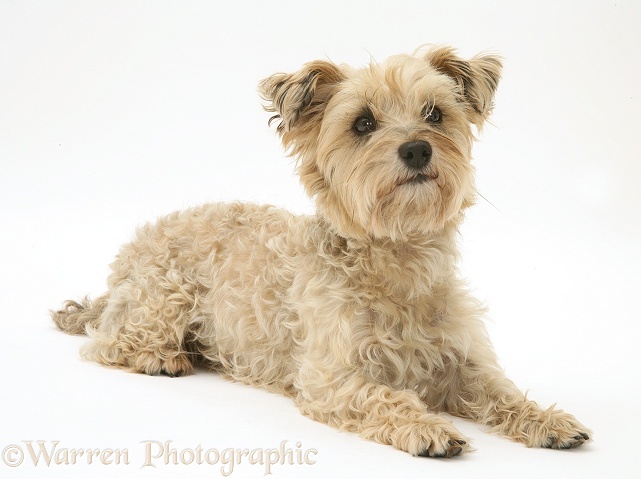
[{"x": 113, "y": 113}]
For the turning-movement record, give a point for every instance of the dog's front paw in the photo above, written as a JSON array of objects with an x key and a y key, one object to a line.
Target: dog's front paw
[
  {"x": 454, "y": 448},
  {"x": 433, "y": 438},
  {"x": 559, "y": 430},
  {"x": 559, "y": 442}
]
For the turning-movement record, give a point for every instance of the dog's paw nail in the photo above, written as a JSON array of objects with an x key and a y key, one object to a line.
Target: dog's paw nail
[
  {"x": 456, "y": 451},
  {"x": 550, "y": 442}
]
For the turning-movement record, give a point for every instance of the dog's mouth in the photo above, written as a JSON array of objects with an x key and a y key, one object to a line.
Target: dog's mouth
[{"x": 418, "y": 179}]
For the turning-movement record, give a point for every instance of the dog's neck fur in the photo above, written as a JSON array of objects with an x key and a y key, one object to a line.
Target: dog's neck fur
[{"x": 405, "y": 269}]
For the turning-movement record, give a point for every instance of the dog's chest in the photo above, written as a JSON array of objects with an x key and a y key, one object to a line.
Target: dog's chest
[{"x": 407, "y": 349}]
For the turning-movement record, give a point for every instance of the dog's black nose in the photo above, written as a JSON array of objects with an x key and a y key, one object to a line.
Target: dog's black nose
[{"x": 415, "y": 154}]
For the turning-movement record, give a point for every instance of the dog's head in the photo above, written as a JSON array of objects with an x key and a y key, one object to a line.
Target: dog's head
[{"x": 385, "y": 149}]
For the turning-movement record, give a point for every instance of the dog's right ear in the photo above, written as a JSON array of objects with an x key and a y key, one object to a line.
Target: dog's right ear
[{"x": 299, "y": 99}]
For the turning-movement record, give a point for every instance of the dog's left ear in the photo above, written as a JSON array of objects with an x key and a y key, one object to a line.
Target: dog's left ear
[
  {"x": 300, "y": 98},
  {"x": 477, "y": 78}
]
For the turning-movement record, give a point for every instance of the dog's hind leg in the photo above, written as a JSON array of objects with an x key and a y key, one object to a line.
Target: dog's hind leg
[{"x": 145, "y": 323}]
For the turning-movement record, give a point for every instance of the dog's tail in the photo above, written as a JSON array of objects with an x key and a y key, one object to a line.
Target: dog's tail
[{"x": 75, "y": 317}]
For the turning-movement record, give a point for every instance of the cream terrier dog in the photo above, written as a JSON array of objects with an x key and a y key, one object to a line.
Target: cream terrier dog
[{"x": 357, "y": 313}]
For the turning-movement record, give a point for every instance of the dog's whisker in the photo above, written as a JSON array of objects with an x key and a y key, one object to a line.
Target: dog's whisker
[{"x": 492, "y": 204}]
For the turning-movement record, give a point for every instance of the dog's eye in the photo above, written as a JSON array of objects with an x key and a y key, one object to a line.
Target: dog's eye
[
  {"x": 433, "y": 114},
  {"x": 364, "y": 125}
]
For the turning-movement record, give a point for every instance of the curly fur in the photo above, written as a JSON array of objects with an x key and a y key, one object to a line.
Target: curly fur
[{"x": 357, "y": 313}]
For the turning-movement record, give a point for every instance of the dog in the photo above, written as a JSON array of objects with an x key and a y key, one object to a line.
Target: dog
[{"x": 358, "y": 312}]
